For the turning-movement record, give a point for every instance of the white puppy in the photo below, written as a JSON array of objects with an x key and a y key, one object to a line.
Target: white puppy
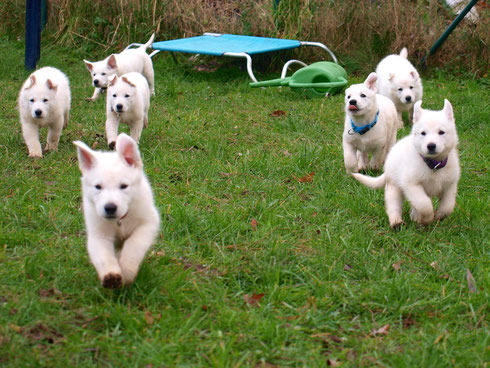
[
  {"x": 422, "y": 165},
  {"x": 120, "y": 216},
  {"x": 371, "y": 124},
  {"x": 399, "y": 81},
  {"x": 44, "y": 101},
  {"x": 128, "y": 101},
  {"x": 130, "y": 60}
]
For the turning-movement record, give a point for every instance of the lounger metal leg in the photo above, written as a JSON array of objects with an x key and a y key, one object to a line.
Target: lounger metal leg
[
  {"x": 249, "y": 62},
  {"x": 321, "y": 45}
]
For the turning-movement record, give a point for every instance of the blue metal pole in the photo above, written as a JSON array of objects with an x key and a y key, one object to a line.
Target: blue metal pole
[{"x": 33, "y": 33}]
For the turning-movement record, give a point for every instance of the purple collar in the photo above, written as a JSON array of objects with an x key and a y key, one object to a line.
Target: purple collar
[{"x": 434, "y": 164}]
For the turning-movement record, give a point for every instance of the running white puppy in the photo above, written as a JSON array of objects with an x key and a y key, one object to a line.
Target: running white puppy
[
  {"x": 422, "y": 165},
  {"x": 130, "y": 60},
  {"x": 44, "y": 101},
  {"x": 128, "y": 101},
  {"x": 399, "y": 81},
  {"x": 371, "y": 124},
  {"x": 120, "y": 216}
]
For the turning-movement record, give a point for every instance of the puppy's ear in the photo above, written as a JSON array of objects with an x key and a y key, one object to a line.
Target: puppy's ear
[
  {"x": 112, "y": 80},
  {"x": 417, "y": 111},
  {"x": 111, "y": 62},
  {"x": 89, "y": 65},
  {"x": 370, "y": 82},
  {"x": 126, "y": 80},
  {"x": 404, "y": 53},
  {"x": 414, "y": 74},
  {"x": 32, "y": 81},
  {"x": 50, "y": 85},
  {"x": 86, "y": 157},
  {"x": 127, "y": 149},
  {"x": 448, "y": 110}
]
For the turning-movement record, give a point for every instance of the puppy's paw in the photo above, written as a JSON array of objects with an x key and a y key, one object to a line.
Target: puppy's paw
[
  {"x": 112, "y": 281},
  {"x": 89, "y": 99},
  {"x": 112, "y": 145},
  {"x": 441, "y": 214},
  {"x": 36, "y": 154}
]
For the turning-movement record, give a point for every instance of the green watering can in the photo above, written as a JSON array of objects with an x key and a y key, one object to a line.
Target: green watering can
[{"x": 315, "y": 80}]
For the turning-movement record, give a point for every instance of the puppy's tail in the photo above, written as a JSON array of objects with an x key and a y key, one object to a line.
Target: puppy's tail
[
  {"x": 369, "y": 181},
  {"x": 148, "y": 44}
]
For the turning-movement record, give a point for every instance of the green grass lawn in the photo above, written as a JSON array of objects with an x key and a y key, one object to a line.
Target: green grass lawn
[{"x": 269, "y": 254}]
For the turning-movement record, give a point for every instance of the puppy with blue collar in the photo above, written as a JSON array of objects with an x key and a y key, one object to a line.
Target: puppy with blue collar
[{"x": 371, "y": 125}]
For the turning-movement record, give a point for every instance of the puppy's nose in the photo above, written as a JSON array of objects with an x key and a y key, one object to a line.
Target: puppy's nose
[
  {"x": 408, "y": 98},
  {"x": 96, "y": 82},
  {"x": 119, "y": 107},
  {"x": 431, "y": 147},
  {"x": 110, "y": 209},
  {"x": 38, "y": 112},
  {"x": 353, "y": 102}
]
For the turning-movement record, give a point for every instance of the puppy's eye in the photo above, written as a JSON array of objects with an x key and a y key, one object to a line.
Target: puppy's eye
[
  {"x": 423, "y": 133},
  {"x": 93, "y": 74},
  {"x": 98, "y": 186},
  {"x": 123, "y": 186},
  {"x": 442, "y": 132},
  {"x": 411, "y": 87},
  {"x": 114, "y": 95},
  {"x": 348, "y": 96},
  {"x": 31, "y": 100},
  {"x": 103, "y": 73},
  {"x": 363, "y": 95},
  {"x": 400, "y": 89},
  {"x": 126, "y": 95},
  {"x": 45, "y": 100}
]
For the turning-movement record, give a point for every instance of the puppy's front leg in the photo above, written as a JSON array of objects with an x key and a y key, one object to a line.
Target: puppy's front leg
[
  {"x": 111, "y": 126},
  {"x": 350, "y": 157},
  {"x": 378, "y": 158},
  {"x": 136, "y": 129},
  {"x": 103, "y": 257},
  {"x": 54, "y": 133},
  {"x": 134, "y": 250},
  {"x": 31, "y": 137},
  {"x": 447, "y": 201},
  {"x": 95, "y": 95},
  {"x": 421, "y": 203}
]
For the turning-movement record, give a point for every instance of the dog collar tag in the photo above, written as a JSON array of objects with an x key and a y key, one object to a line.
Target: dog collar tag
[
  {"x": 361, "y": 130},
  {"x": 434, "y": 164}
]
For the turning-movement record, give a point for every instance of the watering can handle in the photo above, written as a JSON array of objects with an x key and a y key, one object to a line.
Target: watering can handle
[{"x": 341, "y": 83}]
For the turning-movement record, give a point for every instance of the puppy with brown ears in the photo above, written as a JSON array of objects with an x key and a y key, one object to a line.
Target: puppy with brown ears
[
  {"x": 44, "y": 101},
  {"x": 128, "y": 101},
  {"x": 422, "y": 165},
  {"x": 121, "y": 218},
  {"x": 371, "y": 124}
]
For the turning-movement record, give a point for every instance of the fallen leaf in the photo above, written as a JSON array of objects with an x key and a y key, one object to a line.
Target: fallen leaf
[
  {"x": 434, "y": 265},
  {"x": 277, "y": 113},
  {"x": 382, "y": 330},
  {"x": 397, "y": 265},
  {"x": 149, "y": 318},
  {"x": 471, "y": 282},
  {"x": 254, "y": 299},
  {"x": 286, "y": 153},
  {"x": 333, "y": 363},
  {"x": 307, "y": 178},
  {"x": 347, "y": 267},
  {"x": 254, "y": 224}
]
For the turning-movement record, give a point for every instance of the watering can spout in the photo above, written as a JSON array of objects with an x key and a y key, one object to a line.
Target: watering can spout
[{"x": 316, "y": 80}]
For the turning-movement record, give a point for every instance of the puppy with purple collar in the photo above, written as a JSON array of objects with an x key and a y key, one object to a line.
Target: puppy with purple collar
[
  {"x": 371, "y": 125},
  {"x": 422, "y": 165}
]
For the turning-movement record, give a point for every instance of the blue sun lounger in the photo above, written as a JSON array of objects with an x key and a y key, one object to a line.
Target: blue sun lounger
[{"x": 234, "y": 46}]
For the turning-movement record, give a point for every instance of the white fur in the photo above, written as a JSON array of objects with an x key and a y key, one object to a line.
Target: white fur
[
  {"x": 120, "y": 216},
  {"x": 128, "y": 101},
  {"x": 406, "y": 173},
  {"x": 129, "y": 60},
  {"x": 399, "y": 81},
  {"x": 376, "y": 141},
  {"x": 44, "y": 101}
]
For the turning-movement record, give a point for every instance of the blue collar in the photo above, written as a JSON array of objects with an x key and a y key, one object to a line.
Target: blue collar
[{"x": 365, "y": 128}]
